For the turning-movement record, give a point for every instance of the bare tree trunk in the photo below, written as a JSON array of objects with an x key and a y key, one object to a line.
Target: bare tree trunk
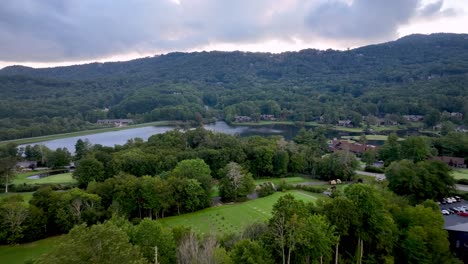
[
  {"x": 6, "y": 183},
  {"x": 321, "y": 259},
  {"x": 362, "y": 249},
  {"x": 336, "y": 250},
  {"x": 289, "y": 255}
]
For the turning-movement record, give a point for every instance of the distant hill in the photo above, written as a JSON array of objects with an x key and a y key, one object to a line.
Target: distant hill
[{"x": 417, "y": 74}]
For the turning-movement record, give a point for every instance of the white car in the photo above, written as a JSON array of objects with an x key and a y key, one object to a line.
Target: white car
[{"x": 445, "y": 212}]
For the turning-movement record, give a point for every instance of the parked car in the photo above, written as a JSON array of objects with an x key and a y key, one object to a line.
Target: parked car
[
  {"x": 445, "y": 212},
  {"x": 450, "y": 210},
  {"x": 458, "y": 198},
  {"x": 462, "y": 214}
]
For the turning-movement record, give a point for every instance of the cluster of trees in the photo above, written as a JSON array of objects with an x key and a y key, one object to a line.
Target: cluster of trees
[
  {"x": 364, "y": 225},
  {"x": 46, "y": 157},
  {"x": 262, "y": 157},
  {"x": 416, "y": 75}
]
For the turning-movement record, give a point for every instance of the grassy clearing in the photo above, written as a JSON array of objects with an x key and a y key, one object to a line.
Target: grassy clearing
[
  {"x": 460, "y": 174},
  {"x": 18, "y": 254},
  {"x": 26, "y": 196},
  {"x": 86, "y": 132},
  {"x": 53, "y": 179},
  {"x": 234, "y": 217},
  {"x": 289, "y": 180}
]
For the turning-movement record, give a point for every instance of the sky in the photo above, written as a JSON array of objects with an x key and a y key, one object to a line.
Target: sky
[{"x": 46, "y": 33}]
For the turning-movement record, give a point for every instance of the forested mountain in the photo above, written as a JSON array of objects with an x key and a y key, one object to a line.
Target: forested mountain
[{"x": 417, "y": 74}]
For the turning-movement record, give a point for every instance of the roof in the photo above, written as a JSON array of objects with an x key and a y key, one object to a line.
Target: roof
[{"x": 460, "y": 227}]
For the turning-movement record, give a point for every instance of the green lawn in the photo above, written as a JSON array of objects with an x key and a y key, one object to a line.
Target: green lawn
[
  {"x": 289, "y": 180},
  {"x": 233, "y": 217},
  {"x": 18, "y": 254},
  {"x": 26, "y": 196},
  {"x": 460, "y": 174},
  {"x": 59, "y": 178}
]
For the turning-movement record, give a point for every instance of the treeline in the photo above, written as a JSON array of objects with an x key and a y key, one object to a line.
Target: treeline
[
  {"x": 418, "y": 75},
  {"x": 364, "y": 224}
]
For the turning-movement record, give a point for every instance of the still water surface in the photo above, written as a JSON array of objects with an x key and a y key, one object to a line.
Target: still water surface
[{"x": 120, "y": 137}]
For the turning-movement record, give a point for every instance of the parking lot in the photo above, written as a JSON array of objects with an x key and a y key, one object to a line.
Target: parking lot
[{"x": 454, "y": 219}]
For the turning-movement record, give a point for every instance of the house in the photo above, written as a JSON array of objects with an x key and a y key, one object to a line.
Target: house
[
  {"x": 115, "y": 122},
  {"x": 242, "y": 119},
  {"x": 345, "y": 123},
  {"x": 413, "y": 118},
  {"x": 27, "y": 164},
  {"x": 268, "y": 117},
  {"x": 455, "y": 115},
  {"x": 455, "y": 162},
  {"x": 354, "y": 147}
]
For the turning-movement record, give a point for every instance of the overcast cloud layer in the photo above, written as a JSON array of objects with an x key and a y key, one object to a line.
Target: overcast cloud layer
[{"x": 67, "y": 30}]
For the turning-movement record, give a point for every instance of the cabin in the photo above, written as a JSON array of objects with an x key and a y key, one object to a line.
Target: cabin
[
  {"x": 413, "y": 118},
  {"x": 268, "y": 117}
]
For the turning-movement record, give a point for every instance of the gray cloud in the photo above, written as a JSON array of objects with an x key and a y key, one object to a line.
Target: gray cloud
[{"x": 57, "y": 30}]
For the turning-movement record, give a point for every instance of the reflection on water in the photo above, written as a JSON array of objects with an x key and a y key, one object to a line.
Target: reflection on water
[{"x": 121, "y": 137}]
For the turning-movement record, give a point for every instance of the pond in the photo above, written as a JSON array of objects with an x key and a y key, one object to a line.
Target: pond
[
  {"x": 122, "y": 136},
  {"x": 47, "y": 174}
]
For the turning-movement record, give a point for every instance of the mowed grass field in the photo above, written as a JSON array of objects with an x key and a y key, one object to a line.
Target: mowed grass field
[
  {"x": 460, "y": 174},
  {"x": 18, "y": 254},
  {"x": 59, "y": 178},
  {"x": 232, "y": 218},
  {"x": 289, "y": 180}
]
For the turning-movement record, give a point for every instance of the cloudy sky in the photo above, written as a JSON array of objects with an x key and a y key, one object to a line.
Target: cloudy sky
[{"x": 43, "y": 33}]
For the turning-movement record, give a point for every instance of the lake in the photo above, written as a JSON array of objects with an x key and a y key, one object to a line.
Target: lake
[{"x": 122, "y": 136}]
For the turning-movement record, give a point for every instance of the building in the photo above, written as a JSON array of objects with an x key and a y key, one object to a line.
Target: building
[
  {"x": 268, "y": 117},
  {"x": 413, "y": 118},
  {"x": 457, "y": 228},
  {"x": 242, "y": 119},
  {"x": 354, "y": 147},
  {"x": 345, "y": 123},
  {"x": 115, "y": 122},
  {"x": 455, "y": 162}
]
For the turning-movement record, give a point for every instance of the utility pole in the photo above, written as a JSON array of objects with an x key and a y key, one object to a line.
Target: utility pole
[{"x": 156, "y": 255}]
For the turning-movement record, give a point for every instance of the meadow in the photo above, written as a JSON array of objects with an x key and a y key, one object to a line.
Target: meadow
[
  {"x": 19, "y": 254},
  {"x": 232, "y": 218},
  {"x": 53, "y": 179},
  {"x": 460, "y": 174}
]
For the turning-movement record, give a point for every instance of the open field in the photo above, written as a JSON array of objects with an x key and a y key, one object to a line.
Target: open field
[
  {"x": 59, "y": 178},
  {"x": 232, "y": 218},
  {"x": 460, "y": 174},
  {"x": 18, "y": 254},
  {"x": 85, "y": 132},
  {"x": 26, "y": 196},
  {"x": 289, "y": 180}
]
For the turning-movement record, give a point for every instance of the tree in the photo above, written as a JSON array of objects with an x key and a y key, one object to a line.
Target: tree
[
  {"x": 390, "y": 150},
  {"x": 59, "y": 158},
  {"x": 247, "y": 251},
  {"x": 369, "y": 157},
  {"x": 88, "y": 169},
  {"x": 339, "y": 165},
  {"x": 82, "y": 147},
  {"x": 99, "y": 244},
  {"x": 236, "y": 182},
  {"x": 13, "y": 213},
  {"x": 415, "y": 149},
  {"x": 195, "y": 169},
  {"x": 420, "y": 181},
  {"x": 149, "y": 234},
  {"x": 8, "y": 159}
]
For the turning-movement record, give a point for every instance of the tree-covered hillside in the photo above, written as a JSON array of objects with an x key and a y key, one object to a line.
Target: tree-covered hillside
[{"x": 419, "y": 74}]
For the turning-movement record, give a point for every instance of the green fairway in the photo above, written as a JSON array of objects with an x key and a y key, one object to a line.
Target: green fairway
[
  {"x": 289, "y": 180},
  {"x": 233, "y": 217},
  {"x": 26, "y": 196},
  {"x": 460, "y": 174},
  {"x": 59, "y": 178},
  {"x": 18, "y": 254}
]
